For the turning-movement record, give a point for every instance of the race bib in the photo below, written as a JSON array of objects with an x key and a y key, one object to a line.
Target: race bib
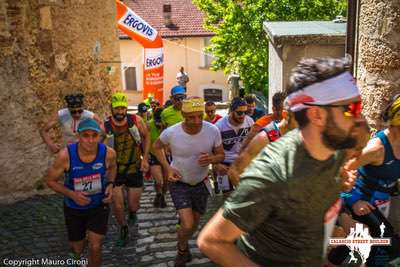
[
  {"x": 89, "y": 184},
  {"x": 223, "y": 183},
  {"x": 383, "y": 206}
]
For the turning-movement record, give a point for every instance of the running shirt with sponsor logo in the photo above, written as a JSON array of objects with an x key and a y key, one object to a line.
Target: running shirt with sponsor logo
[
  {"x": 89, "y": 178},
  {"x": 281, "y": 204},
  {"x": 69, "y": 126},
  {"x": 233, "y": 136},
  {"x": 186, "y": 150}
]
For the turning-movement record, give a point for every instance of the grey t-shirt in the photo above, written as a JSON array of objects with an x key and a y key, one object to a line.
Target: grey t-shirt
[{"x": 281, "y": 202}]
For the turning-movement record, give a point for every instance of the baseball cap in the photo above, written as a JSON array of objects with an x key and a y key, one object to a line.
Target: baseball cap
[
  {"x": 178, "y": 89},
  {"x": 88, "y": 124},
  {"x": 142, "y": 108},
  {"x": 119, "y": 99},
  {"x": 74, "y": 100}
]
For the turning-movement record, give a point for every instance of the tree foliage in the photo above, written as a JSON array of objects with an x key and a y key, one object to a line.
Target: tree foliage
[{"x": 240, "y": 44}]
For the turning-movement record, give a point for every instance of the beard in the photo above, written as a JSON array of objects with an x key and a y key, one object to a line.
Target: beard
[
  {"x": 118, "y": 116},
  {"x": 336, "y": 138}
]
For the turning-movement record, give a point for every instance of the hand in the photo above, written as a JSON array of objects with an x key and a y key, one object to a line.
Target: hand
[
  {"x": 222, "y": 169},
  {"x": 205, "y": 159},
  {"x": 349, "y": 178},
  {"x": 54, "y": 148},
  {"x": 108, "y": 193},
  {"x": 144, "y": 165},
  {"x": 81, "y": 198},
  {"x": 362, "y": 207},
  {"x": 173, "y": 175}
]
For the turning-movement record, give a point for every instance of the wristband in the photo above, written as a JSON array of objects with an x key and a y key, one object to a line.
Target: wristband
[{"x": 109, "y": 182}]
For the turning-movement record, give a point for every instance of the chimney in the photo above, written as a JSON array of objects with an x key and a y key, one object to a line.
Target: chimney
[{"x": 167, "y": 14}]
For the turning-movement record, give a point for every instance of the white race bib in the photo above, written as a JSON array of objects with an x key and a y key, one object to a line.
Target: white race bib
[
  {"x": 89, "y": 184},
  {"x": 383, "y": 206},
  {"x": 223, "y": 183}
]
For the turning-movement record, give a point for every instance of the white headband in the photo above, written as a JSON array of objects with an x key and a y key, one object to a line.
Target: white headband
[{"x": 339, "y": 88}]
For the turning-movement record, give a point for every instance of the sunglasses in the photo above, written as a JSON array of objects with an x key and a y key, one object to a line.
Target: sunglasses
[
  {"x": 179, "y": 97},
  {"x": 76, "y": 111},
  {"x": 349, "y": 110},
  {"x": 210, "y": 111},
  {"x": 240, "y": 113}
]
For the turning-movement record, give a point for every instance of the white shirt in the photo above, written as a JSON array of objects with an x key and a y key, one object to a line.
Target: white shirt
[
  {"x": 233, "y": 136},
  {"x": 186, "y": 150},
  {"x": 69, "y": 126}
]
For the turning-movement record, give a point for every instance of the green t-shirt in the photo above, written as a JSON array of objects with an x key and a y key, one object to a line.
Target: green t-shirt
[
  {"x": 171, "y": 116},
  {"x": 154, "y": 133},
  {"x": 281, "y": 202}
]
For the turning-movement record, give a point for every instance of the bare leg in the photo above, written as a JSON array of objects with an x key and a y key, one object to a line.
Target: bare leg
[
  {"x": 95, "y": 243},
  {"x": 118, "y": 198}
]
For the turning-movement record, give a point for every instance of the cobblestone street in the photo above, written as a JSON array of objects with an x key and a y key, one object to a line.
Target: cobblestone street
[{"x": 35, "y": 229}]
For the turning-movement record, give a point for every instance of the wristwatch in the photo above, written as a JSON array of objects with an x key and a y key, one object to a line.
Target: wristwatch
[{"x": 110, "y": 182}]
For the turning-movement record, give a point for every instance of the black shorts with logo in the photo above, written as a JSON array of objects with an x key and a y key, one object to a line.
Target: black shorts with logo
[
  {"x": 130, "y": 180},
  {"x": 80, "y": 221},
  {"x": 153, "y": 160},
  {"x": 189, "y": 196}
]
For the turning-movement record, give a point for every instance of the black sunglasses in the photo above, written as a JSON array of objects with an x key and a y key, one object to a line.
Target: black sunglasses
[
  {"x": 76, "y": 111},
  {"x": 240, "y": 113},
  {"x": 180, "y": 97}
]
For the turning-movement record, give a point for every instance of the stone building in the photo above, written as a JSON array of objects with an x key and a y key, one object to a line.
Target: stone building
[{"x": 49, "y": 48}]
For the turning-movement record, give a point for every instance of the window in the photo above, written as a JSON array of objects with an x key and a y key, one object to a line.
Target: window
[
  {"x": 207, "y": 58},
  {"x": 130, "y": 79},
  {"x": 212, "y": 94}
]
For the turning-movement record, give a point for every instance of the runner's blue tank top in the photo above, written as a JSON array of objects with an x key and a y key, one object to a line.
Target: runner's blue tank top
[{"x": 87, "y": 177}]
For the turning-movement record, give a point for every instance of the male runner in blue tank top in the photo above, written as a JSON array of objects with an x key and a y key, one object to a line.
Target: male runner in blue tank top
[{"x": 89, "y": 168}]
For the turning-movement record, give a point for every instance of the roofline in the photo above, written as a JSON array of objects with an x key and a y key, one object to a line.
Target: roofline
[{"x": 125, "y": 37}]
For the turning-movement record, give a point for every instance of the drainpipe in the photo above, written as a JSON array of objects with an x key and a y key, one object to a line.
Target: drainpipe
[{"x": 352, "y": 33}]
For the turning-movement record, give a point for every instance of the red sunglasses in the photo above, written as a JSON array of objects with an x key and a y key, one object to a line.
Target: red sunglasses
[{"x": 349, "y": 110}]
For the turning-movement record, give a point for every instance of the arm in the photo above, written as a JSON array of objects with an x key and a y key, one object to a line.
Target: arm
[
  {"x": 254, "y": 130},
  {"x": 216, "y": 240},
  {"x": 111, "y": 162},
  {"x": 218, "y": 155},
  {"x": 246, "y": 156},
  {"x": 44, "y": 133},
  {"x": 372, "y": 154},
  {"x": 172, "y": 174},
  {"x": 146, "y": 143}
]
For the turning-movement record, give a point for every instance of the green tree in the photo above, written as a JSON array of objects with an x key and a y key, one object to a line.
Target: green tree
[{"x": 240, "y": 44}]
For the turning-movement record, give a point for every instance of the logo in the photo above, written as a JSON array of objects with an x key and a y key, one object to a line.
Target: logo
[
  {"x": 97, "y": 166},
  {"x": 77, "y": 168},
  {"x": 136, "y": 24},
  {"x": 154, "y": 58},
  {"x": 360, "y": 241}
]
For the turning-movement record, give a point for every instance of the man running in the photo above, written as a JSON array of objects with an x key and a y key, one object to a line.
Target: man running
[
  {"x": 277, "y": 115},
  {"x": 195, "y": 144},
  {"x": 90, "y": 170},
  {"x": 277, "y": 212},
  {"x": 172, "y": 114},
  {"x": 156, "y": 171},
  {"x": 273, "y": 131},
  {"x": 252, "y": 110},
  {"x": 69, "y": 119},
  {"x": 143, "y": 112},
  {"x": 211, "y": 115},
  {"x": 128, "y": 135},
  {"x": 234, "y": 129}
]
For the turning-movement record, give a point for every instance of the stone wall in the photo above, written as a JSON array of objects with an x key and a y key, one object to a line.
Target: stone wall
[
  {"x": 378, "y": 55},
  {"x": 49, "y": 48}
]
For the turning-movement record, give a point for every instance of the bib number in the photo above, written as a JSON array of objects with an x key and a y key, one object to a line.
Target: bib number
[
  {"x": 223, "y": 183},
  {"x": 89, "y": 184}
]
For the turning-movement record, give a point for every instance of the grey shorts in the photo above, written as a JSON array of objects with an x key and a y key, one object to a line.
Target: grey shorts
[{"x": 189, "y": 196}]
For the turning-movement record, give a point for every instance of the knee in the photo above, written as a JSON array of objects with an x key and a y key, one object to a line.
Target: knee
[
  {"x": 187, "y": 226},
  {"x": 95, "y": 246},
  {"x": 118, "y": 205}
]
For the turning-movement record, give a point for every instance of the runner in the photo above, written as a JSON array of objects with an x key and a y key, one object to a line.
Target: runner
[
  {"x": 172, "y": 114},
  {"x": 278, "y": 113},
  {"x": 277, "y": 212},
  {"x": 270, "y": 133},
  {"x": 234, "y": 129},
  {"x": 160, "y": 183},
  {"x": 90, "y": 170},
  {"x": 143, "y": 112},
  {"x": 128, "y": 135},
  {"x": 252, "y": 110},
  {"x": 211, "y": 115},
  {"x": 195, "y": 144},
  {"x": 369, "y": 200},
  {"x": 68, "y": 118}
]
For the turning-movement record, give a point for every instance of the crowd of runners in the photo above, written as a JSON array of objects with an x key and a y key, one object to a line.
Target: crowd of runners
[{"x": 290, "y": 179}]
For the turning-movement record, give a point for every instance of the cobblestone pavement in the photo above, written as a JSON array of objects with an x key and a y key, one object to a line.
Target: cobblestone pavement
[{"x": 35, "y": 229}]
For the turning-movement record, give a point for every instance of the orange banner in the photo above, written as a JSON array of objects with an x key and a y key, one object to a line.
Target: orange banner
[{"x": 153, "y": 67}]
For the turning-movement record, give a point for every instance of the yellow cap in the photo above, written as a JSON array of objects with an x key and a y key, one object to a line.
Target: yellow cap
[
  {"x": 119, "y": 99},
  {"x": 193, "y": 105}
]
